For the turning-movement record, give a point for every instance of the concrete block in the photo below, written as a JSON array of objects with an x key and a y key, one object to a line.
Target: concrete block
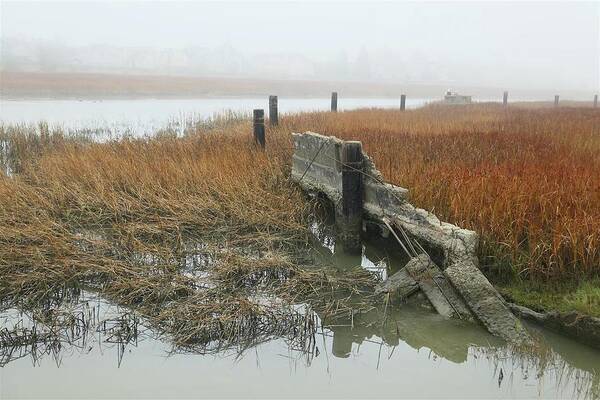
[
  {"x": 440, "y": 293},
  {"x": 485, "y": 302},
  {"x": 401, "y": 285}
]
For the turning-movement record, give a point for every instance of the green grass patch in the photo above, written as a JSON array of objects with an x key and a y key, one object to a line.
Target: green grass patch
[{"x": 584, "y": 298}]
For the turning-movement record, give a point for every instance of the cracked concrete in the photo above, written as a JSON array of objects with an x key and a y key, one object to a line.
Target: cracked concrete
[
  {"x": 400, "y": 285},
  {"x": 440, "y": 293},
  {"x": 316, "y": 166}
]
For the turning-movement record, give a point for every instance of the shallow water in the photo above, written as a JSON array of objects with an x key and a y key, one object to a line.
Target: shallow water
[
  {"x": 141, "y": 117},
  {"x": 416, "y": 353}
]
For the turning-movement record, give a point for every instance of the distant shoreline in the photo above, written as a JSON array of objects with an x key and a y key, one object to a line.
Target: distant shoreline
[
  {"x": 74, "y": 86},
  {"x": 33, "y": 97},
  {"x": 102, "y": 86}
]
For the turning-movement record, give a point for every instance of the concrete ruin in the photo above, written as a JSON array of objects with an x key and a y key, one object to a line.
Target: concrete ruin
[{"x": 445, "y": 266}]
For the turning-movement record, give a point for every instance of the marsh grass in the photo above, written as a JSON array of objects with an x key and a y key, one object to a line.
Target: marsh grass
[
  {"x": 583, "y": 297},
  {"x": 124, "y": 218},
  {"x": 526, "y": 179}
]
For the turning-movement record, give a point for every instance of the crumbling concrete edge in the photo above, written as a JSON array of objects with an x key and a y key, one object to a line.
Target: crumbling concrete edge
[
  {"x": 583, "y": 328},
  {"x": 459, "y": 264},
  {"x": 458, "y": 246}
]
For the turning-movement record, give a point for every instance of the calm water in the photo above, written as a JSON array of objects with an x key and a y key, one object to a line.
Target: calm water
[
  {"x": 416, "y": 354},
  {"x": 145, "y": 116}
]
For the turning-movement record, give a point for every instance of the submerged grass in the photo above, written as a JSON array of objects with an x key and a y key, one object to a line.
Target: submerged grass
[{"x": 204, "y": 236}]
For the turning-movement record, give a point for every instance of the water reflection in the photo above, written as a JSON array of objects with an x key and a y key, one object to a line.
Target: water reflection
[
  {"x": 382, "y": 256},
  {"x": 393, "y": 350},
  {"x": 410, "y": 339},
  {"x": 71, "y": 326},
  {"x": 405, "y": 339}
]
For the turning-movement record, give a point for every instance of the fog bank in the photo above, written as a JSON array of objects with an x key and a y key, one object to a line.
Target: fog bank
[{"x": 538, "y": 46}]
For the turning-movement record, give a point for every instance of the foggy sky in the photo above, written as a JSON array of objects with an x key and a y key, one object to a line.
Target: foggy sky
[{"x": 540, "y": 45}]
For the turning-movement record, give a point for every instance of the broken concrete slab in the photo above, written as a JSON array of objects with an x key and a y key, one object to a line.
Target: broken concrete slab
[
  {"x": 484, "y": 301},
  {"x": 400, "y": 285},
  {"x": 316, "y": 167},
  {"x": 436, "y": 287}
]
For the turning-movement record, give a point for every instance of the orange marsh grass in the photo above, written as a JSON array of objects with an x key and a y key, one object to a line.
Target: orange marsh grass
[{"x": 528, "y": 180}]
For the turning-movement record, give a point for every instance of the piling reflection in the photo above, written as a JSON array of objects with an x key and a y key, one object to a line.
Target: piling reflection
[
  {"x": 417, "y": 327},
  {"x": 573, "y": 368}
]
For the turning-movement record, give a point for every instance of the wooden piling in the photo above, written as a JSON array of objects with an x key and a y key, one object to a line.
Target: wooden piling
[
  {"x": 556, "y": 100},
  {"x": 273, "y": 115},
  {"x": 259, "y": 127},
  {"x": 505, "y": 98},
  {"x": 595, "y": 100},
  {"x": 334, "y": 101},
  {"x": 349, "y": 215},
  {"x": 402, "y": 102}
]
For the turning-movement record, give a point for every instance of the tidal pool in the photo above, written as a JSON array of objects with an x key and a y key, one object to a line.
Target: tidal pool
[{"x": 413, "y": 353}]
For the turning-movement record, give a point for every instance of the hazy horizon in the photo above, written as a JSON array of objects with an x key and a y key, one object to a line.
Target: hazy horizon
[{"x": 513, "y": 45}]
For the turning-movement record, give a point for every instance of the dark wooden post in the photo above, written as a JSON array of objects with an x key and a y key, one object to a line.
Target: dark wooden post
[
  {"x": 349, "y": 215},
  {"x": 556, "y": 100},
  {"x": 505, "y": 98},
  {"x": 402, "y": 102},
  {"x": 595, "y": 100},
  {"x": 259, "y": 127},
  {"x": 273, "y": 116},
  {"x": 334, "y": 101}
]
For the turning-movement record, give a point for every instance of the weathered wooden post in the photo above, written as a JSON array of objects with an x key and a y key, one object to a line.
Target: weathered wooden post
[
  {"x": 273, "y": 116},
  {"x": 349, "y": 213},
  {"x": 555, "y": 100},
  {"x": 402, "y": 102},
  {"x": 334, "y": 101},
  {"x": 505, "y": 98},
  {"x": 259, "y": 127},
  {"x": 595, "y": 100}
]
